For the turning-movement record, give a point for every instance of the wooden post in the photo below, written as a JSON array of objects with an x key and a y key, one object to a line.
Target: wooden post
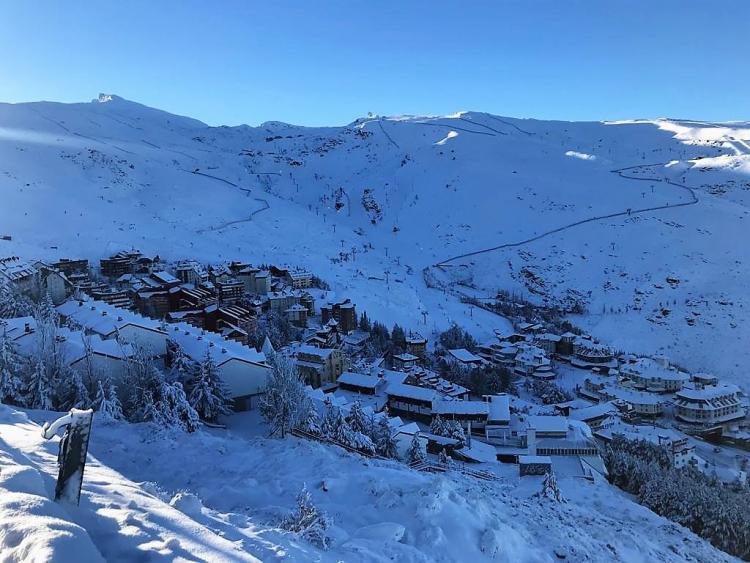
[{"x": 74, "y": 446}]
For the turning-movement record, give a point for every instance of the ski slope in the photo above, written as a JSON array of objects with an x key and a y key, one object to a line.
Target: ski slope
[{"x": 603, "y": 211}]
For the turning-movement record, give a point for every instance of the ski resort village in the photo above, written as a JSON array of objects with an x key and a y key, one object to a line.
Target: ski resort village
[
  {"x": 447, "y": 336},
  {"x": 237, "y": 349}
]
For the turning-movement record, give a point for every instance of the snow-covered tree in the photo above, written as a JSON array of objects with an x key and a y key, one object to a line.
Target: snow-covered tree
[
  {"x": 12, "y": 303},
  {"x": 285, "y": 403},
  {"x": 308, "y": 522},
  {"x": 11, "y": 382},
  {"x": 208, "y": 395},
  {"x": 268, "y": 350},
  {"x": 360, "y": 442},
  {"x": 438, "y": 426},
  {"x": 456, "y": 431},
  {"x": 334, "y": 426},
  {"x": 358, "y": 420},
  {"x": 416, "y": 452},
  {"x": 173, "y": 408},
  {"x": 141, "y": 385},
  {"x": 386, "y": 444},
  {"x": 182, "y": 368},
  {"x": 443, "y": 458},
  {"x": 70, "y": 391},
  {"x": 38, "y": 392},
  {"x": 107, "y": 404},
  {"x": 311, "y": 423},
  {"x": 550, "y": 489}
]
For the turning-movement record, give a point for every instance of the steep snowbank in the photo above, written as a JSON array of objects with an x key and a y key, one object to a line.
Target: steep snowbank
[{"x": 117, "y": 520}]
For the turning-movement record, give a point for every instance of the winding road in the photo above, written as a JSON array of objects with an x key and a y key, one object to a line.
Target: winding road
[{"x": 622, "y": 172}]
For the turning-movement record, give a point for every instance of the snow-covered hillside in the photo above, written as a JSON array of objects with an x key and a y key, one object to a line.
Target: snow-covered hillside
[
  {"x": 401, "y": 194},
  {"x": 141, "y": 495}
]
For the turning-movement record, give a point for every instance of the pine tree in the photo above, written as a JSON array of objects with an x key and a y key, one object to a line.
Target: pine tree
[
  {"x": 108, "y": 407},
  {"x": 46, "y": 311},
  {"x": 308, "y": 522},
  {"x": 71, "y": 393},
  {"x": 11, "y": 383},
  {"x": 311, "y": 423},
  {"x": 285, "y": 403},
  {"x": 335, "y": 428},
  {"x": 12, "y": 303},
  {"x": 438, "y": 426},
  {"x": 39, "y": 388},
  {"x": 208, "y": 395},
  {"x": 415, "y": 454},
  {"x": 455, "y": 430},
  {"x": 443, "y": 458},
  {"x": 358, "y": 420},
  {"x": 386, "y": 444},
  {"x": 142, "y": 386},
  {"x": 267, "y": 349},
  {"x": 183, "y": 369},
  {"x": 176, "y": 410},
  {"x": 398, "y": 337},
  {"x": 364, "y": 322},
  {"x": 550, "y": 490}
]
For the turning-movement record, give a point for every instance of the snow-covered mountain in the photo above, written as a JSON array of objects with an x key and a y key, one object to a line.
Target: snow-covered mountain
[
  {"x": 646, "y": 219},
  {"x": 219, "y": 496}
]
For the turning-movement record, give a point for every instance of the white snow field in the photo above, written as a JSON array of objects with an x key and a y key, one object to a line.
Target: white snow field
[
  {"x": 407, "y": 193},
  {"x": 219, "y": 495}
]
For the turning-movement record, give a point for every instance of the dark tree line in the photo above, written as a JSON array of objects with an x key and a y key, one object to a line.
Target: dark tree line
[{"x": 716, "y": 511}]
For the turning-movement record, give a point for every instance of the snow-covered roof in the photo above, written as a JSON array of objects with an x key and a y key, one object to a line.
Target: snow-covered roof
[
  {"x": 359, "y": 380},
  {"x": 594, "y": 411},
  {"x": 411, "y": 392},
  {"x": 542, "y": 423},
  {"x": 391, "y": 376},
  {"x": 499, "y": 407},
  {"x": 14, "y": 269},
  {"x": 632, "y": 396},
  {"x": 314, "y": 350},
  {"x": 164, "y": 277},
  {"x": 195, "y": 343},
  {"x": 415, "y": 338},
  {"x": 707, "y": 393},
  {"x": 16, "y": 328},
  {"x": 548, "y": 336},
  {"x": 405, "y": 357},
  {"x": 103, "y": 318},
  {"x": 650, "y": 368},
  {"x": 463, "y": 355},
  {"x": 460, "y": 407},
  {"x": 533, "y": 459}
]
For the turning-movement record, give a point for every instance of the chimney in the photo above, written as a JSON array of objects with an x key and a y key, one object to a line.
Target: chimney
[
  {"x": 531, "y": 441},
  {"x": 211, "y": 344},
  {"x": 104, "y": 313},
  {"x": 119, "y": 317},
  {"x": 27, "y": 327},
  {"x": 223, "y": 350}
]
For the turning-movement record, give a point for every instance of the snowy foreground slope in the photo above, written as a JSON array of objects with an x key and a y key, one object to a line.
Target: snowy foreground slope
[
  {"x": 401, "y": 194},
  {"x": 229, "y": 489}
]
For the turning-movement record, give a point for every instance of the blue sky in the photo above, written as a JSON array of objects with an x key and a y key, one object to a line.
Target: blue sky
[{"x": 322, "y": 63}]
